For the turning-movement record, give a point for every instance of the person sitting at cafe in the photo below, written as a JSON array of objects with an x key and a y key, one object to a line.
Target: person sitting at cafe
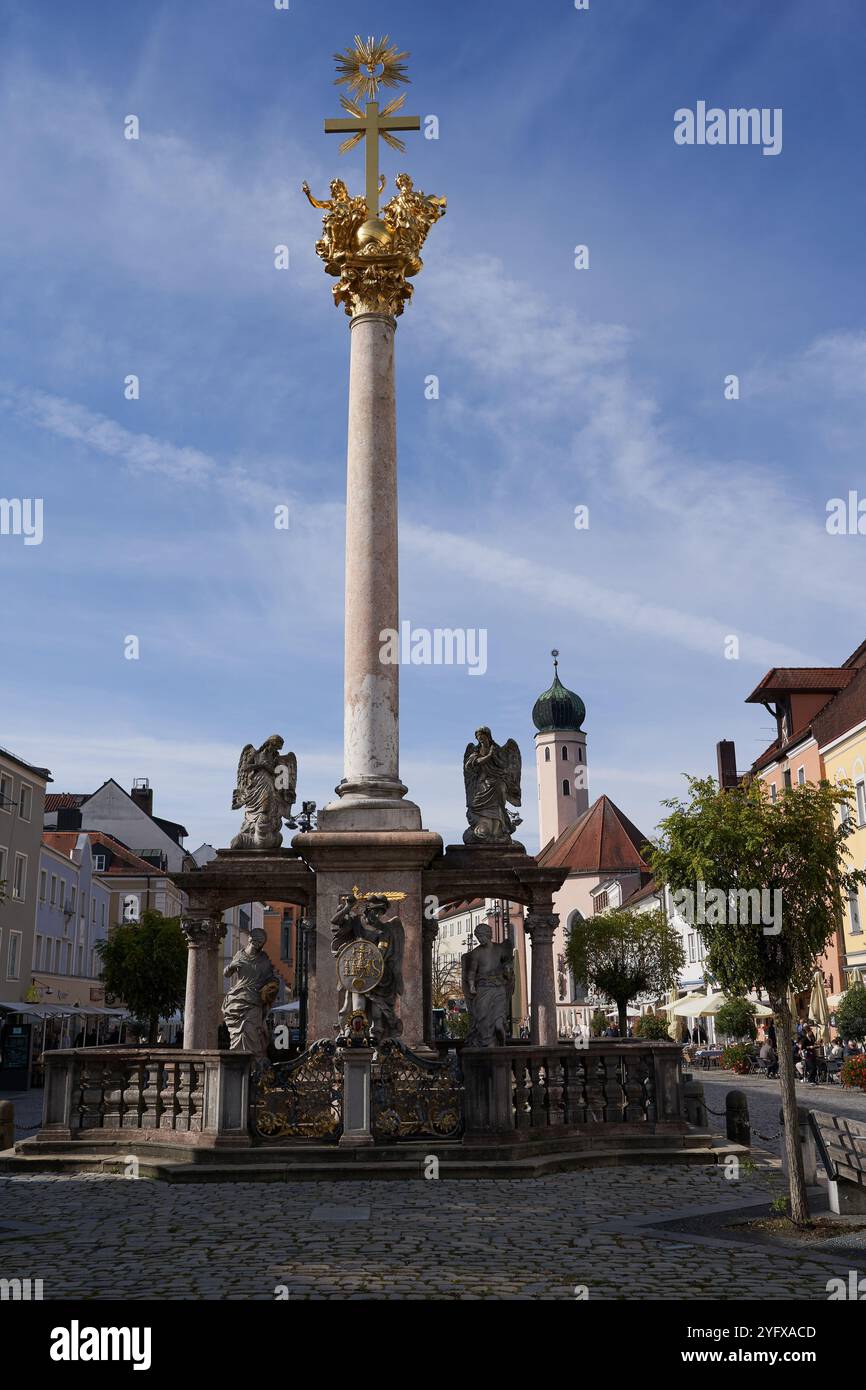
[
  {"x": 768, "y": 1054},
  {"x": 834, "y": 1051}
]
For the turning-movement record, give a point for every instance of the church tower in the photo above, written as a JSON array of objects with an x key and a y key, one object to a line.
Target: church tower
[{"x": 560, "y": 758}]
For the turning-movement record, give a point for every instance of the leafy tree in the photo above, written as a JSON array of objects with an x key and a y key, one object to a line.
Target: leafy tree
[
  {"x": 144, "y": 964},
  {"x": 622, "y": 954},
  {"x": 851, "y": 1014},
  {"x": 736, "y": 840},
  {"x": 735, "y": 1019},
  {"x": 653, "y": 1028},
  {"x": 597, "y": 1023},
  {"x": 447, "y": 982}
]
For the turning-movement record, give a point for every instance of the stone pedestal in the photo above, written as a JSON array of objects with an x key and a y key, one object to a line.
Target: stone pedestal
[
  {"x": 356, "y": 1098},
  {"x": 375, "y": 861},
  {"x": 371, "y": 793}
]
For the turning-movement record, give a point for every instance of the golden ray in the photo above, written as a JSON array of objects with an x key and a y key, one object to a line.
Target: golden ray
[
  {"x": 351, "y": 142},
  {"x": 371, "y": 64}
]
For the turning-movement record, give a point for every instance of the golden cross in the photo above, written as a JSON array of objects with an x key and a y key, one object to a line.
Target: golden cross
[
  {"x": 371, "y": 126},
  {"x": 372, "y": 63}
]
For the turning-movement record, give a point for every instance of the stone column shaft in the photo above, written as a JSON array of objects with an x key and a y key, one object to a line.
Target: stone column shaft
[
  {"x": 371, "y": 791},
  {"x": 540, "y": 928},
  {"x": 203, "y": 937},
  {"x": 371, "y": 739}
]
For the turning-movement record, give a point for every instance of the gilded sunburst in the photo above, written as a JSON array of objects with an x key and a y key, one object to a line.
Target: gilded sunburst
[{"x": 371, "y": 64}]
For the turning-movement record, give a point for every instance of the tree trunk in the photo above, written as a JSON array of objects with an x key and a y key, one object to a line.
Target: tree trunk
[
  {"x": 623, "y": 1018},
  {"x": 153, "y": 1032},
  {"x": 787, "y": 1083}
]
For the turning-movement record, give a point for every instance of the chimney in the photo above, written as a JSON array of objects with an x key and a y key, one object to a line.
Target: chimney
[
  {"x": 142, "y": 794},
  {"x": 726, "y": 758}
]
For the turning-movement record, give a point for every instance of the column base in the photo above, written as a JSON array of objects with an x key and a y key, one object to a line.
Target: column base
[{"x": 370, "y": 803}]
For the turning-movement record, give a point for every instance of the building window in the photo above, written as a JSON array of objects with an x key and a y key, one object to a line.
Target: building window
[
  {"x": 25, "y": 802},
  {"x": 801, "y": 777},
  {"x": 566, "y": 789},
  {"x": 772, "y": 791},
  {"x": 71, "y": 898},
  {"x": 19, "y": 882},
  {"x": 854, "y": 911},
  {"x": 53, "y": 898},
  {"x": 564, "y": 753},
  {"x": 37, "y": 952},
  {"x": 286, "y": 941},
  {"x": 861, "y": 803},
  {"x": 102, "y": 916},
  {"x": 99, "y": 863},
  {"x": 599, "y": 902},
  {"x": 691, "y": 946},
  {"x": 6, "y": 790},
  {"x": 13, "y": 964},
  {"x": 786, "y": 775},
  {"x": 42, "y": 881},
  {"x": 579, "y": 754},
  {"x": 547, "y": 755}
]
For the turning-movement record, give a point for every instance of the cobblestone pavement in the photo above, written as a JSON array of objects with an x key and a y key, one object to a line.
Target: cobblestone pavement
[
  {"x": 764, "y": 1103},
  {"x": 107, "y": 1237}
]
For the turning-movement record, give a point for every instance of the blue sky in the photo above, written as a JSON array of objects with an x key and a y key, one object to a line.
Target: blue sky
[{"x": 558, "y": 387}]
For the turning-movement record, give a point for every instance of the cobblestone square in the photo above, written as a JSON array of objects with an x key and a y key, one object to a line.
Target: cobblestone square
[{"x": 550, "y": 1238}]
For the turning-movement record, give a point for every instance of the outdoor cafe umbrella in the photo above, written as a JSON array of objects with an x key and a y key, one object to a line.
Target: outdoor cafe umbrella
[{"x": 818, "y": 1010}]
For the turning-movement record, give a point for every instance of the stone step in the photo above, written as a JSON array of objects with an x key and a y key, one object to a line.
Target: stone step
[{"x": 309, "y": 1167}]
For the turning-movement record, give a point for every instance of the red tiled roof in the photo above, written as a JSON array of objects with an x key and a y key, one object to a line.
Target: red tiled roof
[
  {"x": 64, "y": 801},
  {"x": 784, "y": 680},
  {"x": 602, "y": 840},
  {"x": 639, "y": 893},
  {"x": 64, "y": 841}
]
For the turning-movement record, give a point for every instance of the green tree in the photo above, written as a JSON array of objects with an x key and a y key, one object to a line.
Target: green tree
[
  {"x": 735, "y": 1019},
  {"x": 622, "y": 954},
  {"x": 851, "y": 1013},
  {"x": 653, "y": 1028},
  {"x": 144, "y": 964},
  {"x": 597, "y": 1023},
  {"x": 738, "y": 841}
]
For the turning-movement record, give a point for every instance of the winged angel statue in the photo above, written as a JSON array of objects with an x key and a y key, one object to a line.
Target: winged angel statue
[
  {"x": 491, "y": 775},
  {"x": 267, "y": 780}
]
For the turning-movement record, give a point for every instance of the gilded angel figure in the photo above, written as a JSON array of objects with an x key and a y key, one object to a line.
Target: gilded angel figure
[{"x": 409, "y": 215}]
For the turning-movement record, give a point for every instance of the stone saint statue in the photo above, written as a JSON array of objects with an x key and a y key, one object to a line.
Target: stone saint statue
[
  {"x": 491, "y": 775},
  {"x": 267, "y": 780},
  {"x": 247, "y": 1001},
  {"x": 488, "y": 982},
  {"x": 363, "y": 919}
]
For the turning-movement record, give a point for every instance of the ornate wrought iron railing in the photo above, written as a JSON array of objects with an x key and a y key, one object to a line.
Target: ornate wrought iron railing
[
  {"x": 301, "y": 1099},
  {"x": 413, "y": 1098}
]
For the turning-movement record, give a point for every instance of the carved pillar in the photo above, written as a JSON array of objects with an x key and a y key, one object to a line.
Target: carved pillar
[
  {"x": 429, "y": 933},
  {"x": 540, "y": 928},
  {"x": 203, "y": 938}
]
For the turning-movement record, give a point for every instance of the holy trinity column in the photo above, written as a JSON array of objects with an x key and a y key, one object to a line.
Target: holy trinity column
[
  {"x": 369, "y": 840},
  {"x": 372, "y": 254}
]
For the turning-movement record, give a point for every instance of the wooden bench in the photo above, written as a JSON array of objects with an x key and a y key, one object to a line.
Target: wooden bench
[{"x": 841, "y": 1145}]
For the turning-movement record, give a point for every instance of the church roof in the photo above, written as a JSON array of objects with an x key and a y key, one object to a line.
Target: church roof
[
  {"x": 602, "y": 840},
  {"x": 557, "y": 708}
]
